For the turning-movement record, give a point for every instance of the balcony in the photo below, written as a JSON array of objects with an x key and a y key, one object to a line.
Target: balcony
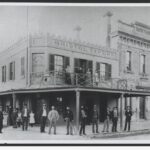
[{"x": 62, "y": 79}]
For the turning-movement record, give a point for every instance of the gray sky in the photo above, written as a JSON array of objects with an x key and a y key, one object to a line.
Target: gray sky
[{"x": 62, "y": 20}]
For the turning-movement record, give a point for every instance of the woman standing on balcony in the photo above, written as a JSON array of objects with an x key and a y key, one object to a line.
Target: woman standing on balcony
[
  {"x": 96, "y": 78},
  {"x": 68, "y": 75},
  {"x": 88, "y": 78}
]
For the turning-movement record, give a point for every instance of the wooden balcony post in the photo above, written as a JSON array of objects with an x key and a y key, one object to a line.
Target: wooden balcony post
[
  {"x": 121, "y": 111},
  {"x": 77, "y": 110},
  {"x": 14, "y": 100}
]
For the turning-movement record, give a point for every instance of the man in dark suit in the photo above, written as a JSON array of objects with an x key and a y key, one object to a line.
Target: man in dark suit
[
  {"x": 25, "y": 117},
  {"x": 83, "y": 117},
  {"x": 114, "y": 119},
  {"x": 14, "y": 118},
  {"x": 128, "y": 114},
  {"x": 43, "y": 118},
  {"x": 1, "y": 119},
  {"x": 95, "y": 117},
  {"x": 68, "y": 117}
]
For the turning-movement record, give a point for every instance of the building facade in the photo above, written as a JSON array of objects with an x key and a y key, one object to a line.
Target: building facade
[
  {"x": 133, "y": 44},
  {"x": 60, "y": 72}
]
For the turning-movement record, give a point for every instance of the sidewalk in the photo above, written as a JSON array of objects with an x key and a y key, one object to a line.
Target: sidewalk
[{"x": 10, "y": 133}]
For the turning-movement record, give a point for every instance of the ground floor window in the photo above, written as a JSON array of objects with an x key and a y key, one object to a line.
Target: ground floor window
[{"x": 142, "y": 108}]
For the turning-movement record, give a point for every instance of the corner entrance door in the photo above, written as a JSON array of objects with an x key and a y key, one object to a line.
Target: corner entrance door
[
  {"x": 103, "y": 108},
  {"x": 142, "y": 107}
]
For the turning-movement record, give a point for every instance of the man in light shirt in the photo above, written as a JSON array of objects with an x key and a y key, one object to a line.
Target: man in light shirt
[
  {"x": 53, "y": 116},
  {"x": 43, "y": 118},
  {"x": 25, "y": 116}
]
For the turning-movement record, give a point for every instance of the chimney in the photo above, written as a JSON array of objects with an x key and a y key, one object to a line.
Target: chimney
[{"x": 108, "y": 15}]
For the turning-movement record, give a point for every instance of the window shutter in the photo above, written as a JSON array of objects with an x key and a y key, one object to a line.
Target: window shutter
[
  {"x": 51, "y": 63},
  {"x": 97, "y": 67},
  {"x": 108, "y": 71},
  {"x": 9, "y": 75},
  {"x": 14, "y": 70}
]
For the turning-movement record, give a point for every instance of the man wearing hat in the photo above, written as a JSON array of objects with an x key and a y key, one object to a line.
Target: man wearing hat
[
  {"x": 53, "y": 116},
  {"x": 43, "y": 118},
  {"x": 25, "y": 117},
  {"x": 114, "y": 119},
  {"x": 68, "y": 117},
  {"x": 1, "y": 119},
  {"x": 128, "y": 114},
  {"x": 95, "y": 117},
  {"x": 83, "y": 117}
]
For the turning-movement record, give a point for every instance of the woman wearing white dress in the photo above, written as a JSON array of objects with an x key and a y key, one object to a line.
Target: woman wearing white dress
[{"x": 32, "y": 119}]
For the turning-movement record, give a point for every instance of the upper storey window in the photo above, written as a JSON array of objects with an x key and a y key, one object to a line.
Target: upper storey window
[
  {"x": 22, "y": 66},
  {"x": 12, "y": 71},
  {"x": 58, "y": 63},
  {"x": 128, "y": 60},
  {"x": 142, "y": 64},
  {"x": 3, "y": 73}
]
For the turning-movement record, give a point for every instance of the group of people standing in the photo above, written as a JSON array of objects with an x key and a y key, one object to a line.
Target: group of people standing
[
  {"x": 110, "y": 116},
  {"x": 53, "y": 117},
  {"x": 25, "y": 117},
  {"x": 16, "y": 118}
]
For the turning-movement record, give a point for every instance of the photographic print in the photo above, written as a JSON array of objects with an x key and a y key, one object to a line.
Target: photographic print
[{"x": 74, "y": 74}]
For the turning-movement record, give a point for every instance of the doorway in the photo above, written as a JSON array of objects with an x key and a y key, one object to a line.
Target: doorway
[{"x": 103, "y": 108}]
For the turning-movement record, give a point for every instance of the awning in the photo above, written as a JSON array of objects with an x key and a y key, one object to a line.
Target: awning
[{"x": 73, "y": 88}]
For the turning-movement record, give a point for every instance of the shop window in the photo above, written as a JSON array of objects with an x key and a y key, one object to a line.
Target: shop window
[
  {"x": 142, "y": 108},
  {"x": 142, "y": 64},
  {"x": 12, "y": 71},
  {"x": 22, "y": 66},
  {"x": 128, "y": 60},
  {"x": 3, "y": 73}
]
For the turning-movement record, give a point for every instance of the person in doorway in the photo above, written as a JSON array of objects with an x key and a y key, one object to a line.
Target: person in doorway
[
  {"x": 68, "y": 117},
  {"x": 19, "y": 118},
  {"x": 53, "y": 116},
  {"x": 1, "y": 119},
  {"x": 107, "y": 120},
  {"x": 83, "y": 117},
  {"x": 43, "y": 118},
  {"x": 10, "y": 123},
  {"x": 128, "y": 114},
  {"x": 14, "y": 118},
  {"x": 95, "y": 118},
  {"x": 31, "y": 118},
  {"x": 25, "y": 117},
  {"x": 114, "y": 119}
]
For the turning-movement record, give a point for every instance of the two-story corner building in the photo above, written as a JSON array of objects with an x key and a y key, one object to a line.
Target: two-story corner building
[
  {"x": 133, "y": 44},
  {"x": 59, "y": 72}
]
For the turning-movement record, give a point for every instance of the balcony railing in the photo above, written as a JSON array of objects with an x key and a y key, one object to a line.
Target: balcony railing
[{"x": 63, "y": 79}]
